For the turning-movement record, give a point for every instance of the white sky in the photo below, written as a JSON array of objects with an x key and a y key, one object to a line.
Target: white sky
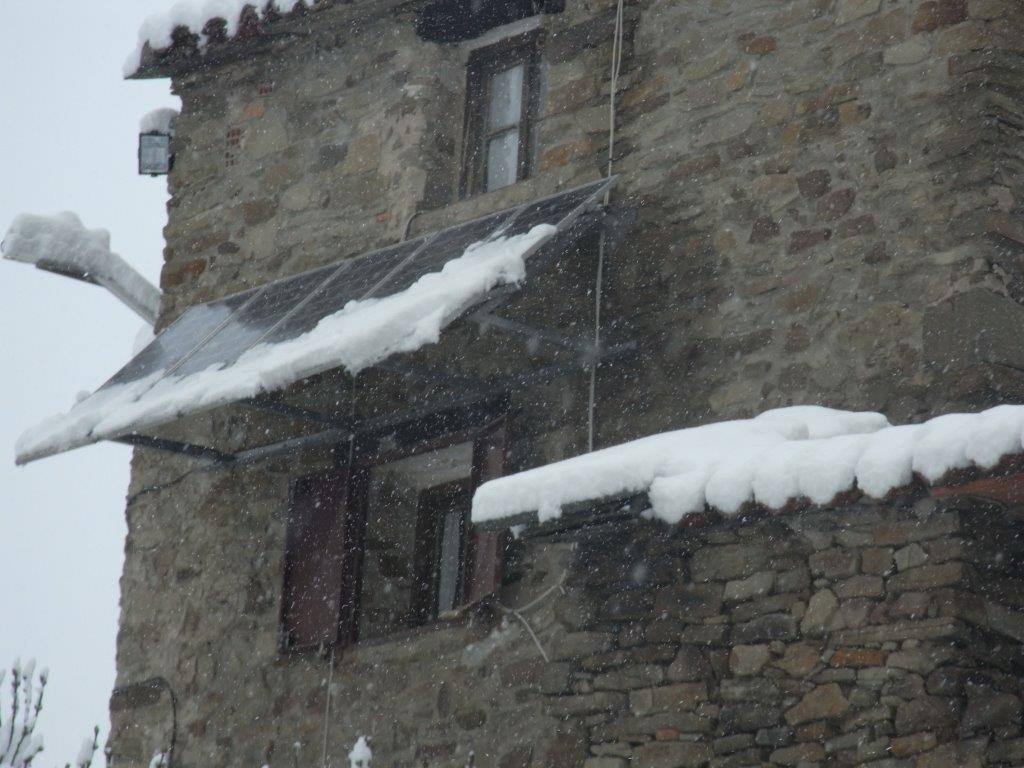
[{"x": 68, "y": 133}]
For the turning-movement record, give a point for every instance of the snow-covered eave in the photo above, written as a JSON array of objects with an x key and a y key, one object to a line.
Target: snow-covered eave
[
  {"x": 978, "y": 455},
  {"x": 1003, "y": 484},
  {"x": 218, "y": 40}
]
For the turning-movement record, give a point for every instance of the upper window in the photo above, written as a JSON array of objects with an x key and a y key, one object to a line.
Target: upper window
[
  {"x": 387, "y": 546},
  {"x": 501, "y": 108}
]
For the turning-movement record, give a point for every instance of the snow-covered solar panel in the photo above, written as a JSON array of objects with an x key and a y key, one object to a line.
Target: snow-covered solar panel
[{"x": 351, "y": 314}]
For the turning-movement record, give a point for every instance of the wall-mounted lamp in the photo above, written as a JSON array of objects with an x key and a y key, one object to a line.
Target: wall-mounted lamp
[
  {"x": 155, "y": 157},
  {"x": 156, "y": 129}
]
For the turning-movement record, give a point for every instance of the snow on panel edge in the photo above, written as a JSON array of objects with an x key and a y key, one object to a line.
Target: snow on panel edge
[
  {"x": 782, "y": 455},
  {"x": 358, "y": 336}
]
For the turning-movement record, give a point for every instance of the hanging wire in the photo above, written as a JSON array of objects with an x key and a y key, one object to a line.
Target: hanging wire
[
  {"x": 330, "y": 669},
  {"x": 617, "y": 44}
]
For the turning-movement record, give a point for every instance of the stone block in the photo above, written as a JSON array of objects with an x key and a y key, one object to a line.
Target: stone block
[
  {"x": 991, "y": 711},
  {"x": 798, "y": 754},
  {"x": 748, "y": 659},
  {"x": 877, "y": 560},
  {"x": 799, "y": 659},
  {"x": 572, "y": 645},
  {"x": 927, "y": 577},
  {"x": 834, "y": 563},
  {"x": 851, "y": 10},
  {"x": 824, "y": 702},
  {"x": 927, "y": 713},
  {"x": 732, "y": 561},
  {"x": 690, "y": 664},
  {"x": 744, "y": 589},
  {"x": 976, "y": 326},
  {"x": 630, "y": 677},
  {"x": 571, "y": 706},
  {"x": 820, "y": 609},
  {"x": 774, "y": 626},
  {"x": 912, "y": 51},
  {"x": 814, "y": 184},
  {"x": 860, "y": 586},
  {"x": 858, "y": 657},
  {"x": 682, "y": 697},
  {"x": 689, "y": 602},
  {"x": 910, "y": 556},
  {"x": 736, "y": 717},
  {"x": 641, "y": 727},
  {"x": 673, "y": 755}
]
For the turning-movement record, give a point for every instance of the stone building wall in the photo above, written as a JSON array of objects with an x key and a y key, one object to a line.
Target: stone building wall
[
  {"x": 880, "y": 634},
  {"x": 826, "y": 193},
  {"x": 820, "y": 187}
]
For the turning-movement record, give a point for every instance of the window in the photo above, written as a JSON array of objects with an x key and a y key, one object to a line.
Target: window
[
  {"x": 501, "y": 109},
  {"x": 387, "y": 546}
]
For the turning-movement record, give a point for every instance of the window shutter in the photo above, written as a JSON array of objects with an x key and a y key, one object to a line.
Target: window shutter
[
  {"x": 488, "y": 550},
  {"x": 318, "y": 594}
]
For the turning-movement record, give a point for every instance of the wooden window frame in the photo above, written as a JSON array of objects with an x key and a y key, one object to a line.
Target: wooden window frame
[
  {"x": 429, "y": 551},
  {"x": 482, "y": 559},
  {"x": 484, "y": 64}
]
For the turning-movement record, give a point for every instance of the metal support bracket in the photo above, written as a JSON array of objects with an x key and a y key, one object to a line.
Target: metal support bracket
[
  {"x": 277, "y": 406},
  {"x": 174, "y": 446}
]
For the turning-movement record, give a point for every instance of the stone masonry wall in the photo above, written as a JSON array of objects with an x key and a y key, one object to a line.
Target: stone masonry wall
[
  {"x": 867, "y": 636},
  {"x": 883, "y": 635},
  {"x": 817, "y": 184}
]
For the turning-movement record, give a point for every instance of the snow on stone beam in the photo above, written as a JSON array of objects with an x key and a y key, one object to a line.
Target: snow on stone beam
[
  {"x": 360, "y": 335},
  {"x": 802, "y": 453},
  {"x": 61, "y": 244}
]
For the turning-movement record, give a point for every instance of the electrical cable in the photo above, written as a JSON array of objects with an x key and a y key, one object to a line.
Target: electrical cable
[{"x": 617, "y": 43}]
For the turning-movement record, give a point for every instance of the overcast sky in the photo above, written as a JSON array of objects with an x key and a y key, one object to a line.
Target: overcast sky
[{"x": 68, "y": 134}]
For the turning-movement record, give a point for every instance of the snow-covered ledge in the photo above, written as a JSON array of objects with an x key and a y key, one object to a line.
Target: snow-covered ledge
[{"x": 802, "y": 453}]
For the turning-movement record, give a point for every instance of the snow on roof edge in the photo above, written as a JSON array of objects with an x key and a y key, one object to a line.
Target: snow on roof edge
[
  {"x": 156, "y": 31},
  {"x": 804, "y": 453}
]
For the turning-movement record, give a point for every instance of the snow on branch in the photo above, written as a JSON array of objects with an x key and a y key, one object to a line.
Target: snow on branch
[
  {"x": 803, "y": 452},
  {"x": 19, "y": 742}
]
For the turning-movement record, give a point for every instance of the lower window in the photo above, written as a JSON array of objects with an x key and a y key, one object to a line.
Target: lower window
[
  {"x": 415, "y": 545},
  {"x": 386, "y": 546}
]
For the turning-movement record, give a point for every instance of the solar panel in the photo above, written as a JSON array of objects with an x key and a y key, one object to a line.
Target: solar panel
[
  {"x": 216, "y": 334},
  {"x": 181, "y": 337}
]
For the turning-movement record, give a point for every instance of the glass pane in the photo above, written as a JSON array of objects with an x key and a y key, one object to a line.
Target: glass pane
[
  {"x": 506, "y": 99},
  {"x": 397, "y": 565},
  {"x": 360, "y": 277},
  {"x": 552, "y": 210},
  {"x": 248, "y": 325},
  {"x": 449, "y": 244},
  {"x": 451, "y": 550},
  {"x": 502, "y": 159},
  {"x": 180, "y": 337}
]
